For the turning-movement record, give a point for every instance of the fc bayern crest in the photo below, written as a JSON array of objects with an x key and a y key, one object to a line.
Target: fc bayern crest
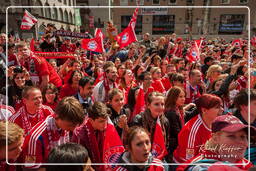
[
  {"x": 92, "y": 45},
  {"x": 125, "y": 38},
  {"x": 113, "y": 154},
  {"x": 156, "y": 150}
]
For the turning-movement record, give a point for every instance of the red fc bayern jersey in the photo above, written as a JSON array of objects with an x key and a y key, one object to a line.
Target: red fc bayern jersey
[
  {"x": 27, "y": 121},
  {"x": 194, "y": 134},
  {"x": 42, "y": 139}
]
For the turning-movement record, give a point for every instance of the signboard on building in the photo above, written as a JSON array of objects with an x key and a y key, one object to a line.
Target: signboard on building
[
  {"x": 231, "y": 23},
  {"x": 154, "y": 11},
  {"x": 78, "y": 17}
]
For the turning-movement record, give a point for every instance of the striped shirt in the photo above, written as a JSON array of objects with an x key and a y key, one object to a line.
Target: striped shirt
[
  {"x": 27, "y": 121},
  {"x": 194, "y": 134},
  {"x": 43, "y": 137}
]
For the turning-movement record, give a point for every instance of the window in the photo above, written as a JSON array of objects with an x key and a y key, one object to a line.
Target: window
[
  {"x": 172, "y": 1},
  {"x": 65, "y": 17},
  {"x": 156, "y": 2},
  {"x": 99, "y": 23},
  {"x": 54, "y": 14},
  {"x": 126, "y": 19},
  {"x": 243, "y": 1},
  {"x": 163, "y": 24},
  {"x": 61, "y": 15},
  {"x": 231, "y": 23},
  {"x": 224, "y": 2},
  {"x": 189, "y": 2}
]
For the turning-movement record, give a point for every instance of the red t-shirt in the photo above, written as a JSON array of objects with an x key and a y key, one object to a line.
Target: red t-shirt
[
  {"x": 67, "y": 90},
  {"x": 158, "y": 86},
  {"x": 166, "y": 83},
  {"x": 39, "y": 67},
  {"x": 194, "y": 134}
]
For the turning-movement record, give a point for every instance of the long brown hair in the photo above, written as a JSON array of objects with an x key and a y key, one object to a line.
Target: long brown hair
[{"x": 173, "y": 94}]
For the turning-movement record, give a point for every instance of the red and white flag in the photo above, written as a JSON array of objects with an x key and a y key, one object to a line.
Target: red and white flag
[
  {"x": 112, "y": 147},
  {"x": 94, "y": 45},
  {"x": 126, "y": 37},
  {"x": 237, "y": 43},
  {"x": 158, "y": 147},
  {"x": 133, "y": 20},
  {"x": 253, "y": 41},
  {"x": 28, "y": 21},
  {"x": 194, "y": 52},
  {"x": 99, "y": 33}
]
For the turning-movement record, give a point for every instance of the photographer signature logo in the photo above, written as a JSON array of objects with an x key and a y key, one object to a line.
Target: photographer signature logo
[{"x": 220, "y": 148}]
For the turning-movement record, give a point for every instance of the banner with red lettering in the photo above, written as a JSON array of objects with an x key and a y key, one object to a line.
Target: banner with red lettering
[{"x": 55, "y": 55}]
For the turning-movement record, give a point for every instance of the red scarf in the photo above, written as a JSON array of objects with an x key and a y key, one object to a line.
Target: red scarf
[
  {"x": 26, "y": 123},
  {"x": 94, "y": 146}
]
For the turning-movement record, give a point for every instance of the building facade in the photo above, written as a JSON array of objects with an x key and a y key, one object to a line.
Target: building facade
[
  {"x": 61, "y": 17},
  {"x": 225, "y": 22}
]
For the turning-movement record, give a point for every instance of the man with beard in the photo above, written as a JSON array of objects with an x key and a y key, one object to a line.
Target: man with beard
[{"x": 101, "y": 89}]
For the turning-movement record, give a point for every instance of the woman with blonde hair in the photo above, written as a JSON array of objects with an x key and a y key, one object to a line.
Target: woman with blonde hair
[{"x": 212, "y": 75}]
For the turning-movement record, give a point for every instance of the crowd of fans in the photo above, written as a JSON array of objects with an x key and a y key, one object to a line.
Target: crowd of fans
[{"x": 57, "y": 110}]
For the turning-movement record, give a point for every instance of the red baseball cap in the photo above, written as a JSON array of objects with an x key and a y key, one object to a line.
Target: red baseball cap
[{"x": 228, "y": 123}]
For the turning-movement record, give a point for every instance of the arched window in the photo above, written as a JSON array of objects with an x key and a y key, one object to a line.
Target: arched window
[
  {"x": 70, "y": 17},
  {"x": 61, "y": 14},
  {"x": 47, "y": 11},
  {"x": 65, "y": 18},
  {"x": 39, "y": 11},
  {"x": 54, "y": 13}
]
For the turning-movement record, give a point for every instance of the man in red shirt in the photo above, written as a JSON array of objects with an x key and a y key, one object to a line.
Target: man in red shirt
[
  {"x": 32, "y": 111},
  {"x": 41, "y": 72},
  {"x": 53, "y": 131}
]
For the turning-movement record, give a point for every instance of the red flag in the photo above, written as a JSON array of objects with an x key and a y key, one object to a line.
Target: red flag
[
  {"x": 158, "y": 147},
  {"x": 112, "y": 147},
  {"x": 98, "y": 33},
  {"x": 133, "y": 20},
  {"x": 28, "y": 21},
  {"x": 126, "y": 37},
  {"x": 32, "y": 45},
  {"x": 194, "y": 52},
  {"x": 253, "y": 40},
  {"x": 237, "y": 43},
  {"x": 139, "y": 105},
  {"x": 94, "y": 44}
]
